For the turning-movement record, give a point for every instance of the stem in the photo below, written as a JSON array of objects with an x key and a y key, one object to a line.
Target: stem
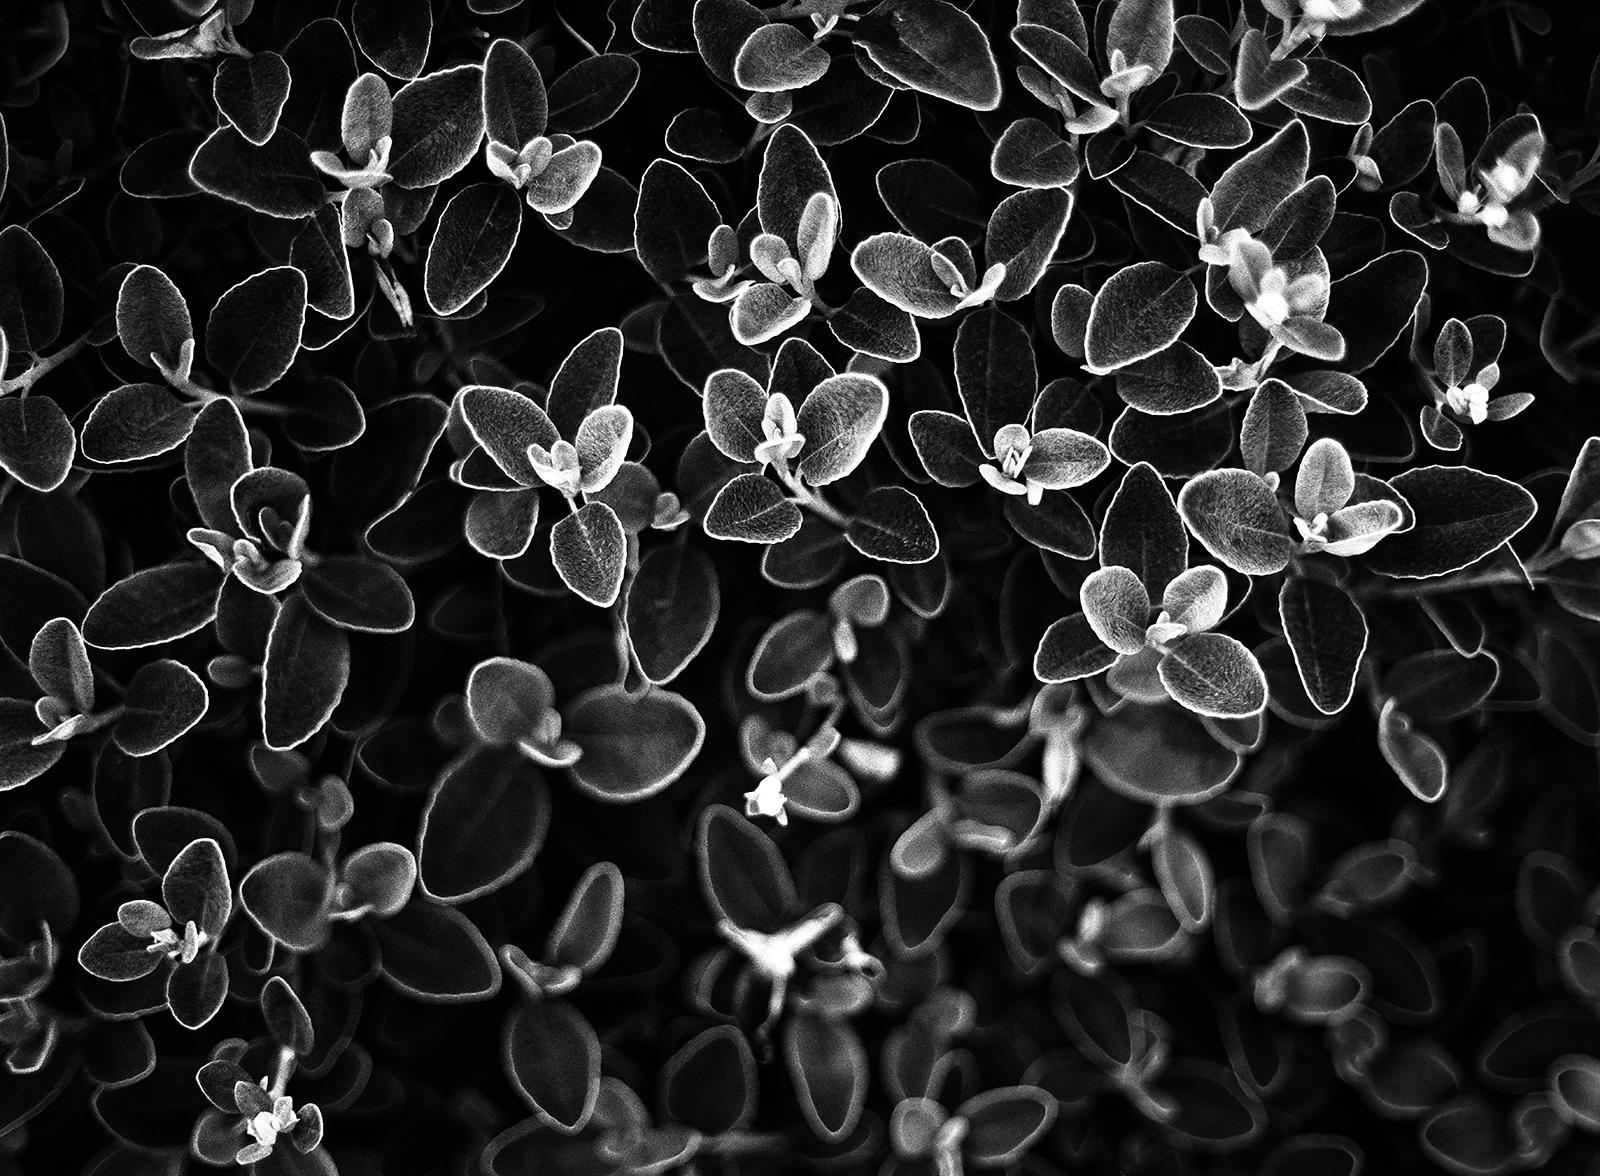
[
  {"x": 810, "y": 499},
  {"x": 42, "y": 366},
  {"x": 1499, "y": 578},
  {"x": 280, "y": 1079}
]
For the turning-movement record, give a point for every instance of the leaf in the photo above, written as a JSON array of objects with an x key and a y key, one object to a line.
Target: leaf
[
  {"x": 934, "y": 48},
  {"x": 395, "y": 34},
  {"x": 276, "y": 178},
  {"x": 634, "y": 745},
  {"x": 360, "y": 594},
  {"x": 505, "y": 423},
  {"x": 589, "y": 551},
  {"x": 1005, "y": 1122},
  {"x": 1214, "y": 675},
  {"x": 1184, "y": 872},
  {"x": 1200, "y": 120},
  {"x": 840, "y": 419},
  {"x": 995, "y": 373},
  {"x": 434, "y": 954},
  {"x": 791, "y": 173},
  {"x": 1327, "y": 635},
  {"x": 31, "y": 295},
  {"x": 1069, "y": 650},
  {"x": 152, "y": 317},
  {"x": 165, "y": 699},
  {"x": 673, "y": 221},
  {"x": 1158, "y": 755},
  {"x": 1253, "y": 185},
  {"x": 515, "y": 105},
  {"x": 899, "y": 270},
  {"x": 752, "y": 508},
  {"x": 153, "y": 606},
  {"x": 1326, "y": 479},
  {"x": 1176, "y": 379},
  {"x": 288, "y": 895},
  {"x": 591, "y": 91},
  {"x": 1416, "y": 758},
  {"x": 1462, "y": 515},
  {"x": 472, "y": 242},
  {"x": 742, "y": 874},
  {"x": 828, "y": 1066},
  {"x": 37, "y": 443},
  {"x": 195, "y": 992},
  {"x": 790, "y": 655},
  {"x": 135, "y": 422},
  {"x": 1238, "y": 520},
  {"x": 286, "y": 1017},
  {"x": 602, "y": 443},
  {"x": 195, "y": 887},
  {"x": 893, "y": 526},
  {"x": 253, "y": 332},
  {"x": 1117, "y": 608},
  {"x": 1274, "y": 429},
  {"x": 1143, "y": 531},
  {"x": 552, "y": 1057},
  {"x": 59, "y": 663},
  {"x": 250, "y": 93},
  {"x": 1023, "y": 235},
  {"x": 586, "y": 933},
  {"x": 946, "y": 447},
  {"x": 1028, "y": 154},
  {"x": 671, "y": 608},
  {"x": 306, "y": 669},
  {"x": 485, "y": 821},
  {"x": 778, "y": 57},
  {"x": 710, "y": 1083},
  {"x": 1331, "y": 92},
  {"x": 1372, "y": 307},
  {"x": 21, "y": 759},
  {"x": 1261, "y": 78},
  {"x": 438, "y": 123},
  {"x": 1138, "y": 312}
]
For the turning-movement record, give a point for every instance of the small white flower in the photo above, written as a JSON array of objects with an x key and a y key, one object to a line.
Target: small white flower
[
  {"x": 766, "y": 799},
  {"x": 1471, "y": 402}
]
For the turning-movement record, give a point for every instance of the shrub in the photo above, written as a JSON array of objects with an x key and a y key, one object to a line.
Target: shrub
[{"x": 845, "y": 586}]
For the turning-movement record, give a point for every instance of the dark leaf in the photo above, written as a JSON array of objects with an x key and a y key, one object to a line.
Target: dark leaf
[
  {"x": 37, "y": 443},
  {"x": 673, "y": 222},
  {"x": 1462, "y": 515},
  {"x": 135, "y": 422},
  {"x": 893, "y": 526},
  {"x": 515, "y": 105},
  {"x": 1023, "y": 234},
  {"x": 276, "y": 178},
  {"x": 553, "y": 1058},
  {"x": 438, "y": 124},
  {"x": 289, "y": 895},
  {"x": 434, "y": 954},
  {"x": 934, "y": 48},
  {"x": 253, "y": 332},
  {"x": 153, "y": 606},
  {"x": 742, "y": 874},
  {"x": 31, "y": 295},
  {"x": 165, "y": 699},
  {"x": 671, "y": 608},
  {"x": 471, "y": 244},
  {"x": 484, "y": 823},
  {"x": 307, "y": 667},
  {"x": 591, "y": 92},
  {"x": 359, "y": 594},
  {"x": 395, "y": 34},
  {"x": 634, "y": 745},
  {"x": 1143, "y": 531},
  {"x": 250, "y": 93},
  {"x": 1327, "y": 635}
]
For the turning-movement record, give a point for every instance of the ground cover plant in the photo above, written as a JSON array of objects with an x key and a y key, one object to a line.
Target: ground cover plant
[{"x": 845, "y": 586}]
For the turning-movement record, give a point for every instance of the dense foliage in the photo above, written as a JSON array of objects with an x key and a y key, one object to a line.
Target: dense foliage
[{"x": 849, "y": 586}]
